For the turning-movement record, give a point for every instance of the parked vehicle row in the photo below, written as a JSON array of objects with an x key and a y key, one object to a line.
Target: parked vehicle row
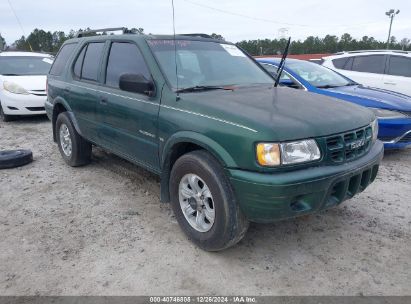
[
  {"x": 229, "y": 147},
  {"x": 392, "y": 109},
  {"x": 389, "y": 70}
]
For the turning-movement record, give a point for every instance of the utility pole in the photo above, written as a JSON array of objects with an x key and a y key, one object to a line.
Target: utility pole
[{"x": 391, "y": 13}]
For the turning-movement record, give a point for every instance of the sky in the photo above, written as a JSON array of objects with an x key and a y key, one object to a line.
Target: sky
[{"x": 235, "y": 20}]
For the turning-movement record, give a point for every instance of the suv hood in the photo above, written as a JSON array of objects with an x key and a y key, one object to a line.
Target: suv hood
[
  {"x": 29, "y": 82},
  {"x": 373, "y": 97},
  {"x": 279, "y": 114}
]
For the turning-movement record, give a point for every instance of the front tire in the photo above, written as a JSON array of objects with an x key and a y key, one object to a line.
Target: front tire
[
  {"x": 4, "y": 117},
  {"x": 204, "y": 204},
  {"x": 74, "y": 149}
]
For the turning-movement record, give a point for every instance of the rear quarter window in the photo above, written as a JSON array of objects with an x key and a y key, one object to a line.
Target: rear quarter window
[
  {"x": 339, "y": 63},
  {"x": 343, "y": 63},
  {"x": 62, "y": 58},
  {"x": 79, "y": 63}
]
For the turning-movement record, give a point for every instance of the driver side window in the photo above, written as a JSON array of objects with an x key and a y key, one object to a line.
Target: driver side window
[{"x": 124, "y": 58}]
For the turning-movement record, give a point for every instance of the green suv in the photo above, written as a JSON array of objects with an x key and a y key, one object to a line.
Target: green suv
[{"x": 229, "y": 146}]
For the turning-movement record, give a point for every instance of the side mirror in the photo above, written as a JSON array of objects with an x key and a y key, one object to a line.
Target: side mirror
[{"x": 136, "y": 83}]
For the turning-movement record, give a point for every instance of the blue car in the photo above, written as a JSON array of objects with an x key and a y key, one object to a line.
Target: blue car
[{"x": 392, "y": 109}]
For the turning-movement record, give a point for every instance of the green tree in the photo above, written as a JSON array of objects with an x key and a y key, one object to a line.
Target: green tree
[
  {"x": 2, "y": 43},
  {"x": 405, "y": 42},
  {"x": 330, "y": 43},
  {"x": 217, "y": 36},
  {"x": 21, "y": 44}
]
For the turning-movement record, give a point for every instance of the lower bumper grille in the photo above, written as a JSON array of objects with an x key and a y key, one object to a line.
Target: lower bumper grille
[
  {"x": 35, "y": 108},
  {"x": 349, "y": 187},
  {"x": 406, "y": 138}
]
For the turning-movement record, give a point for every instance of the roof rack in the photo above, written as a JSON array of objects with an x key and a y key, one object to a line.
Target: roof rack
[
  {"x": 110, "y": 29},
  {"x": 372, "y": 51},
  {"x": 197, "y": 35}
]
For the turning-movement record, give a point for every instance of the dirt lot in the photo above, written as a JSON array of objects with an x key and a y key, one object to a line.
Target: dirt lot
[{"x": 101, "y": 230}]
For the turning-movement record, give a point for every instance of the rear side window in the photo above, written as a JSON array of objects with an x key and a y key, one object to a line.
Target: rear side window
[
  {"x": 369, "y": 64},
  {"x": 339, "y": 63},
  {"x": 399, "y": 66},
  {"x": 92, "y": 60},
  {"x": 124, "y": 58},
  {"x": 62, "y": 58}
]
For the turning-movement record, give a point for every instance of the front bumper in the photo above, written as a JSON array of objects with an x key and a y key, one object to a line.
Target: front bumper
[
  {"x": 49, "y": 109},
  {"x": 395, "y": 133},
  {"x": 271, "y": 197},
  {"x": 19, "y": 104}
]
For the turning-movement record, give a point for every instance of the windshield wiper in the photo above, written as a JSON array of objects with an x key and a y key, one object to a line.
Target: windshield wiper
[
  {"x": 330, "y": 86},
  {"x": 203, "y": 88},
  {"x": 10, "y": 74}
]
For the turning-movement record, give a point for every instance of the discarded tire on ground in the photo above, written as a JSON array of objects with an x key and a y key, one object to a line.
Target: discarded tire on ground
[{"x": 15, "y": 158}]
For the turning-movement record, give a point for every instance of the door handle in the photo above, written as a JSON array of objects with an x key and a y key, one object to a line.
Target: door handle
[
  {"x": 103, "y": 100},
  {"x": 67, "y": 89},
  {"x": 391, "y": 83}
]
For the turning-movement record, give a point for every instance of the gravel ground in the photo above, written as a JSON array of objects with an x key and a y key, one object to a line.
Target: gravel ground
[{"x": 101, "y": 230}]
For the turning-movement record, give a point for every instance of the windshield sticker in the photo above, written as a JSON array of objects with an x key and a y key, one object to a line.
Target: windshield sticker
[
  {"x": 233, "y": 50},
  {"x": 48, "y": 60}
]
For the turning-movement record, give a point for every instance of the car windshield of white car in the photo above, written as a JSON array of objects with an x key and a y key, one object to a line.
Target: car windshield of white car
[{"x": 24, "y": 65}]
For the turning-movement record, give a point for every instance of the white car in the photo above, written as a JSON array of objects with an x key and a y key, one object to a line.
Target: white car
[
  {"x": 385, "y": 69},
  {"x": 23, "y": 83}
]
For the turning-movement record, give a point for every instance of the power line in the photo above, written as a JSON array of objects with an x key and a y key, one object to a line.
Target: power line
[
  {"x": 269, "y": 20},
  {"x": 18, "y": 21}
]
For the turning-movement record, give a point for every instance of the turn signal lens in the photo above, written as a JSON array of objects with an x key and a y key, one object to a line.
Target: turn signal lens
[
  {"x": 268, "y": 154},
  {"x": 374, "y": 126}
]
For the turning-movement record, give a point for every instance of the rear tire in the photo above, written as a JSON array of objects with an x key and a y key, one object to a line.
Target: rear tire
[
  {"x": 74, "y": 149},
  {"x": 211, "y": 218}
]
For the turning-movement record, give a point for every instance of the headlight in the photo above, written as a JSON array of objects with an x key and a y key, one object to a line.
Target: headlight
[
  {"x": 387, "y": 114},
  {"x": 270, "y": 154},
  {"x": 14, "y": 88},
  {"x": 374, "y": 126}
]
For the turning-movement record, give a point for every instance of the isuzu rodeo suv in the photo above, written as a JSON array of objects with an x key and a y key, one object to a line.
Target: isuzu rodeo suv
[{"x": 229, "y": 146}]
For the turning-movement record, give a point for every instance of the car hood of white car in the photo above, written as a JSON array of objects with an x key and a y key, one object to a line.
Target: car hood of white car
[{"x": 29, "y": 82}]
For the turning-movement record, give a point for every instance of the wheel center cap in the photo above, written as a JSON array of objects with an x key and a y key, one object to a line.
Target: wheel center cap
[{"x": 193, "y": 202}]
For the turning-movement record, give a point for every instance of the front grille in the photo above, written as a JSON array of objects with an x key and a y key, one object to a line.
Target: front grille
[
  {"x": 38, "y": 92},
  {"x": 348, "y": 146},
  {"x": 406, "y": 113},
  {"x": 35, "y": 108}
]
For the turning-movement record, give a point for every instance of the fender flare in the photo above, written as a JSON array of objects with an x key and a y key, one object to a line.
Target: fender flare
[
  {"x": 208, "y": 144},
  {"x": 62, "y": 102}
]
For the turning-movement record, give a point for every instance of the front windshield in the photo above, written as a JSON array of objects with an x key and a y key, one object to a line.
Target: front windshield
[
  {"x": 317, "y": 75},
  {"x": 205, "y": 63},
  {"x": 24, "y": 65}
]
